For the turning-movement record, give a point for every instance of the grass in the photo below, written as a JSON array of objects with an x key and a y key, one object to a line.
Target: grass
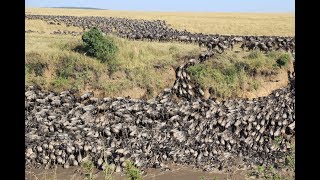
[
  {"x": 203, "y": 178},
  {"x": 283, "y": 60},
  {"x": 281, "y": 24},
  {"x": 44, "y": 28},
  {"x": 108, "y": 171},
  {"x": 142, "y": 69},
  {"x": 132, "y": 172},
  {"x": 267, "y": 173},
  {"x": 56, "y": 62},
  {"x": 228, "y": 75},
  {"x": 290, "y": 159},
  {"x": 277, "y": 141},
  {"x": 87, "y": 168}
]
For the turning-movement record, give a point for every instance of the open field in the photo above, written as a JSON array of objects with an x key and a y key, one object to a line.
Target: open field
[{"x": 280, "y": 24}]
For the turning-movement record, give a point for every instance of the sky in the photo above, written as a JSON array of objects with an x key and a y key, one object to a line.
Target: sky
[{"x": 174, "y": 5}]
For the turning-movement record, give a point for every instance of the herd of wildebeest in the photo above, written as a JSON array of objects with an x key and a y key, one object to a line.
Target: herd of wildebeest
[
  {"x": 64, "y": 129},
  {"x": 157, "y": 30}
]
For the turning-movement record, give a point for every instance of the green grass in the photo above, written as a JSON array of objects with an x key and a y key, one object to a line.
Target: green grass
[
  {"x": 277, "y": 141},
  {"x": 108, "y": 171},
  {"x": 290, "y": 159},
  {"x": 87, "y": 168},
  {"x": 132, "y": 172},
  {"x": 229, "y": 74},
  {"x": 267, "y": 173},
  {"x": 283, "y": 60},
  {"x": 58, "y": 62}
]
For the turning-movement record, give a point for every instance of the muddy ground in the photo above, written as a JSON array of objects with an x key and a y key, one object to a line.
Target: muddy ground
[{"x": 175, "y": 173}]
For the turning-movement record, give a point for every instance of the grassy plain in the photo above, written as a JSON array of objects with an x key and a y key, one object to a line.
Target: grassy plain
[{"x": 280, "y": 24}]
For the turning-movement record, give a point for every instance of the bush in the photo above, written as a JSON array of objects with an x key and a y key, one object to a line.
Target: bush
[
  {"x": 200, "y": 73},
  {"x": 99, "y": 46},
  {"x": 200, "y": 70},
  {"x": 132, "y": 172},
  {"x": 87, "y": 167},
  {"x": 283, "y": 60}
]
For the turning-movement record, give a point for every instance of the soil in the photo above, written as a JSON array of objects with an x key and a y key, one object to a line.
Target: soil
[
  {"x": 176, "y": 173},
  {"x": 269, "y": 83},
  {"x": 135, "y": 93}
]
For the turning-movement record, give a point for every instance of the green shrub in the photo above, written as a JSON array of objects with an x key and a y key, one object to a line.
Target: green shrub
[
  {"x": 87, "y": 167},
  {"x": 283, "y": 60},
  {"x": 132, "y": 172},
  {"x": 108, "y": 171},
  {"x": 200, "y": 74},
  {"x": 198, "y": 71},
  {"x": 265, "y": 172},
  {"x": 99, "y": 46},
  {"x": 290, "y": 159},
  {"x": 60, "y": 82}
]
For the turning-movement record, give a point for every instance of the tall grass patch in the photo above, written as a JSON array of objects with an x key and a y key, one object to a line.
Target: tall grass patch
[
  {"x": 56, "y": 62},
  {"x": 228, "y": 75}
]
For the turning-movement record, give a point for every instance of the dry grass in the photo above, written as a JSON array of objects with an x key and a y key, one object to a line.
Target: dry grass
[
  {"x": 53, "y": 63},
  {"x": 282, "y": 24},
  {"x": 242, "y": 74},
  {"x": 43, "y": 27}
]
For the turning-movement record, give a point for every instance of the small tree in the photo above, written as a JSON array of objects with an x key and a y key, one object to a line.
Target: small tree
[{"x": 99, "y": 46}]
